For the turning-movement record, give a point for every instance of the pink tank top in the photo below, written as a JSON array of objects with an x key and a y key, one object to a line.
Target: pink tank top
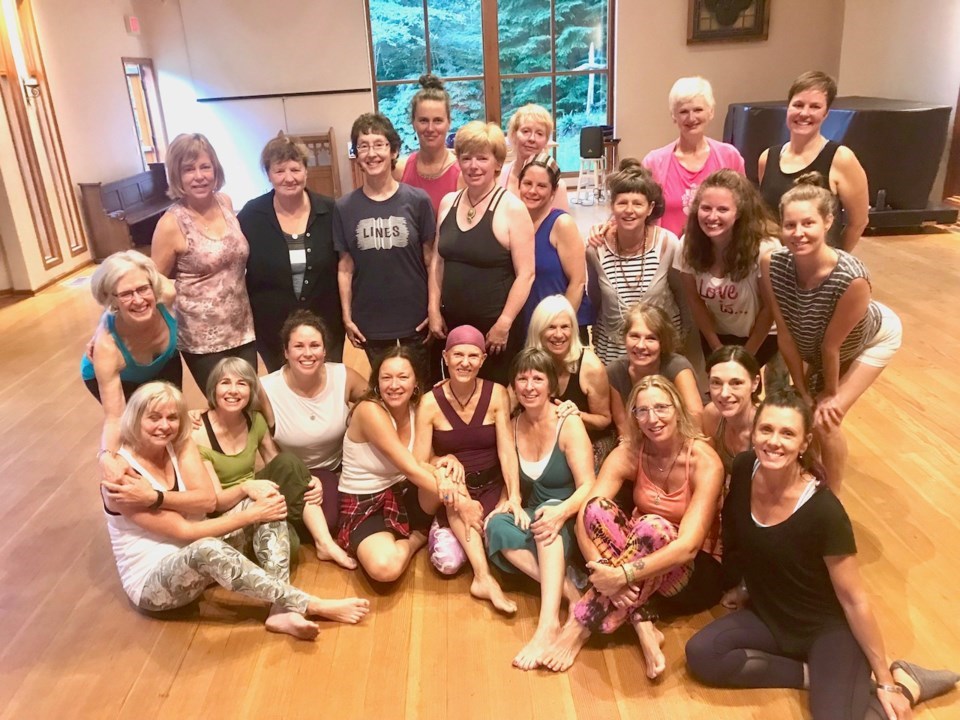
[
  {"x": 213, "y": 310},
  {"x": 651, "y": 499},
  {"x": 436, "y": 187}
]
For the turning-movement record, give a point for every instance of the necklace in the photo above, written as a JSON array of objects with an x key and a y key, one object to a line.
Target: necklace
[
  {"x": 430, "y": 172},
  {"x": 643, "y": 262},
  {"x": 463, "y": 405},
  {"x": 664, "y": 476},
  {"x": 472, "y": 212}
]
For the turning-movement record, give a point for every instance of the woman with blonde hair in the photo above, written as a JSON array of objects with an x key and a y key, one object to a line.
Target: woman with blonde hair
[
  {"x": 135, "y": 343},
  {"x": 660, "y": 558},
  {"x": 166, "y": 558},
  {"x": 199, "y": 239},
  {"x": 483, "y": 269},
  {"x": 529, "y": 132},
  {"x": 582, "y": 384}
]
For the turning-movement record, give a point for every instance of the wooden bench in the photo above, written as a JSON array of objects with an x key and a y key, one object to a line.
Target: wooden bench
[{"x": 122, "y": 215}]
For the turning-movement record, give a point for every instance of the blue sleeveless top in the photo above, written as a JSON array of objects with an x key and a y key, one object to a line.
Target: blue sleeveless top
[
  {"x": 550, "y": 278},
  {"x": 133, "y": 371}
]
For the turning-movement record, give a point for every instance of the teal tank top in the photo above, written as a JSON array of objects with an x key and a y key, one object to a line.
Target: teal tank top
[{"x": 133, "y": 371}]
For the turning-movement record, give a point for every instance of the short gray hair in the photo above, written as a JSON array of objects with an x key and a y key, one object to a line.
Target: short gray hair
[
  {"x": 104, "y": 281},
  {"x": 242, "y": 369},
  {"x": 145, "y": 397},
  {"x": 689, "y": 88}
]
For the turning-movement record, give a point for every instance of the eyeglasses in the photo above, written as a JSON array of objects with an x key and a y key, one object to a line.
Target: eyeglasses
[
  {"x": 126, "y": 296},
  {"x": 378, "y": 146},
  {"x": 660, "y": 410}
]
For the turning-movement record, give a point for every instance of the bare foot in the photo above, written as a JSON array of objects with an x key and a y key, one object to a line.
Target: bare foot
[
  {"x": 561, "y": 654},
  {"x": 651, "y": 640},
  {"x": 488, "y": 589},
  {"x": 529, "y": 656},
  {"x": 329, "y": 550},
  {"x": 293, "y": 623},
  {"x": 348, "y": 610}
]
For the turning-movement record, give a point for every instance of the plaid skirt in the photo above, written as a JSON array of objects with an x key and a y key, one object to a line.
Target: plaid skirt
[{"x": 389, "y": 503}]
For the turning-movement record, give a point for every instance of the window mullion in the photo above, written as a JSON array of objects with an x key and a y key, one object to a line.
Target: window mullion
[
  {"x": 426, "y": 36},
  {"x": 490, "y": 30}
]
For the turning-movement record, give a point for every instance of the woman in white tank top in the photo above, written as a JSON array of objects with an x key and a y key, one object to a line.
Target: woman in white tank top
[
  {"x": 167, "y": 556},
  {"x": 387, "y": 497},
  {"x": 306, "y": 409}
]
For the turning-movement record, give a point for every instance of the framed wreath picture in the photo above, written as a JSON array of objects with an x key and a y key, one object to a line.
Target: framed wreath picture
[{"x": 727, "y": 20}]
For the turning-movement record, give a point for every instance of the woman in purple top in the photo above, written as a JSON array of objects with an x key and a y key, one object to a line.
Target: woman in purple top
[
  {"x": 433, "y": 168},
  {"x": 469, "y": 418}
]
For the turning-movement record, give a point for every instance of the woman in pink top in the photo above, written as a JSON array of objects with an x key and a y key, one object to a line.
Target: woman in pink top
[
  {"x": 680, "y": 166},
  {"x": 653, "y": 560},
  {"x": 199, "y": 238},
  {"x": 529, "y": 134},
  {"x": 434, "y": 167}
]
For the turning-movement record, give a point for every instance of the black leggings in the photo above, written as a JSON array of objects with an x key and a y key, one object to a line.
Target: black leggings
[
  {"x": 739, "y": 650},
  {"x": 202, "y": 365}
]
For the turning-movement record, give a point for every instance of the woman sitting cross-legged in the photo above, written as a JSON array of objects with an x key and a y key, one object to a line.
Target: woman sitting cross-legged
[
  {"x": 556, "y": 472},
  {"x": 659, "y": 560},
  {"x": 166, "y": 559},
  {"x": 387, "y": 497},
  {"x": 477, "y": 433},
  {"x": 233, "y": 433},
  {"x": 809, "y": 623},
  {"x": 307, "y": 404}
]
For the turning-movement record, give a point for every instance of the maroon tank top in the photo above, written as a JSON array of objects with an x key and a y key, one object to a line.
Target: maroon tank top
[{"x": 473, "y": 444}]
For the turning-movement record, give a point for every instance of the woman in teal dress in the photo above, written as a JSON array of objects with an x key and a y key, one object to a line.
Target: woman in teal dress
[{"x": 556, "y": 475}]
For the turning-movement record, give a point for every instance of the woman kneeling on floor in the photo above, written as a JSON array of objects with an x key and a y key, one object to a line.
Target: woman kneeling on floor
[
  {"x": 809, "y": 623},
  {"x": 387, "y": 497},
  {"x": 556, "y": 473},
  {"x": 166, "y": 559},
  {"x": 659, "y": 559}
]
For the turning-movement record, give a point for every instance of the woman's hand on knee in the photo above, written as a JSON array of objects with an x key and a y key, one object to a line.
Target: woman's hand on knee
[
  {"x": 735, "y": 598},
  {"x": 256, "y": 489},
  {"x": 829, "y": 413},
  {"x": 313, "y": 495}
]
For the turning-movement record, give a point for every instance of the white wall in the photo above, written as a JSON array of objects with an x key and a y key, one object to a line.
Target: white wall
[
  {"x": 82, "y": 43},
  {"x": 218, "y": 48},
  {"x": 903, "y": 49},
  {"x": 652, "y": 53}
]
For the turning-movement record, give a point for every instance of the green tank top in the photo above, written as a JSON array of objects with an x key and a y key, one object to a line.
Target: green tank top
[{"x": 235, "y": 469}]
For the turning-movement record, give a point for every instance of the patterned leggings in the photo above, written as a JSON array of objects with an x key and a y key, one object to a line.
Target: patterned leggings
[
  {"x": 621, "y": 539},
  {"x": 180, "y": 578}
]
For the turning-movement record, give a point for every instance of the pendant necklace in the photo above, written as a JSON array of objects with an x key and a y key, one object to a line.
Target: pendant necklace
[
  {"x": 663, "y": 477},
  {"x": 472, "y": 212},
  {"x": 623, "y": 274},
  {"x": 463, "y": 405}
]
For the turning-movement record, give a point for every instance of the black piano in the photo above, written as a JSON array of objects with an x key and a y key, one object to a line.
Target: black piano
[{"x": 899, "y": 143}]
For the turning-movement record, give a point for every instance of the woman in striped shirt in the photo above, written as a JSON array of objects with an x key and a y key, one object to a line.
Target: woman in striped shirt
[
  {"x": 632, "y": 263},
  {"x": 826, "y": 319}
]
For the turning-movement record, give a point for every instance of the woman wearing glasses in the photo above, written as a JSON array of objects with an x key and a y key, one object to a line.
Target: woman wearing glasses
[
  {"x": 135, "y": 343},
  {"x": 659, "y": 559}
]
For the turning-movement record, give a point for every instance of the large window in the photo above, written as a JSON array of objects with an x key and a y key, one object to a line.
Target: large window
[{"x": 494, "y": 56}]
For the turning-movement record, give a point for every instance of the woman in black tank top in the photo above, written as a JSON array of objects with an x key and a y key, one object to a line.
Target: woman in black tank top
[
  {"x": 808, "y": 103},
  {"x": 483, "y": 269}
]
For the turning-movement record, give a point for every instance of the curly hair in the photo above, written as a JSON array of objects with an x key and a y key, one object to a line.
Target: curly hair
[{"x": 752, "y": 226}]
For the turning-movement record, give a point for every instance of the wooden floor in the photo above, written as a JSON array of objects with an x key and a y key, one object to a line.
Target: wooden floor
[{"x": 72, "y": 647}]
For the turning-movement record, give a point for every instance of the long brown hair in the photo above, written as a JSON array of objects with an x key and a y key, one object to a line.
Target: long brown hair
[
  {"x": 372, "y": 393},
  {"x": 752, "y": 226}
]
